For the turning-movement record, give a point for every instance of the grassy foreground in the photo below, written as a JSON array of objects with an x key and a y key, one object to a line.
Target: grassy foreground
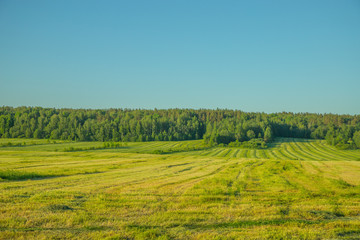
[{"x": 296, "y": 189}]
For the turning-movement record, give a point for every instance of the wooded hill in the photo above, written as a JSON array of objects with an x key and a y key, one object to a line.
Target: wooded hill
[{"x": 219, "y": 126}]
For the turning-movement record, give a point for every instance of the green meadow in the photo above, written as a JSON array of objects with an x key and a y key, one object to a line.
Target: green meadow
[{"x": 294, "y": 189}]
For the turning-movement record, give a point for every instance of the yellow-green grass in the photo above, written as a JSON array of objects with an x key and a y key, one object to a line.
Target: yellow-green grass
[{"x": 295, "y": 189}]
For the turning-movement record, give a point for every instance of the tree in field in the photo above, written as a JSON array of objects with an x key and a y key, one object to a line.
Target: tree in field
[{"x": 268, "y": 135}]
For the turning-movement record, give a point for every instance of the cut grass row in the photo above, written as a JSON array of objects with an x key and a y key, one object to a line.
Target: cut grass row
[
  {"x": 285, "y": 149},
  {"x": 291, "y": 149}
]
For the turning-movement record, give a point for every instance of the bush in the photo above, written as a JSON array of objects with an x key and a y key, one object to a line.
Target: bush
[
  {"x": 344, "y": 146},
  {"x": 255, "y": 143},
  {"x": 106, "y": 145}
]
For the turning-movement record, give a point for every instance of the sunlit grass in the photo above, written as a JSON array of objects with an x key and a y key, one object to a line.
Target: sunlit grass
[{"x": 296, "y": 189}]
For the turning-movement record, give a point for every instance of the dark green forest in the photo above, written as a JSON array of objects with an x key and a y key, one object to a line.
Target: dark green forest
[{"x": 221, "y": 126}]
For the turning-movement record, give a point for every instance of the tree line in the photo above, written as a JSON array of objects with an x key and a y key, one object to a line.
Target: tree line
[{"x": 221, "y": 126}]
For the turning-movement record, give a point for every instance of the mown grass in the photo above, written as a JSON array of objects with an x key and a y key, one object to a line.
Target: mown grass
[{"x": 296, "y": 189}]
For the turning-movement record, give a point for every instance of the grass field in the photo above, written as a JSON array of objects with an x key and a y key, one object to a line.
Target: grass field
[{"x": 295, "y": 189}]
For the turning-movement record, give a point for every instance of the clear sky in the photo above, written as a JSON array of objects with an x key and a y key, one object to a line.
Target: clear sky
[{"x": 262, "y": 56}]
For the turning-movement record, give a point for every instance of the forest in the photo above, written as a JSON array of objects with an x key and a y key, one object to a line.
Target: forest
[{"x": 220, "y": 126}]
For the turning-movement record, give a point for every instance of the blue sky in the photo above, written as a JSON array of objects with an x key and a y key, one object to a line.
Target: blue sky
[{"x": 263, "y": 56}]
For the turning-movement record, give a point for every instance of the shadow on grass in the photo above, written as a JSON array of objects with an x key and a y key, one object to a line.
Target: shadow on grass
[
  {"x": 58, "y": 229},
  {"x": 350, "y": 234},
  {"x": 251, "y": 223},
  {"x": 20, "y": 175},
  {"x": 276, "y": 143},
  {"x": 238, "y": 224},
  {"x": 12, "y": 175},
  {"x": 58, "y": 207}
]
